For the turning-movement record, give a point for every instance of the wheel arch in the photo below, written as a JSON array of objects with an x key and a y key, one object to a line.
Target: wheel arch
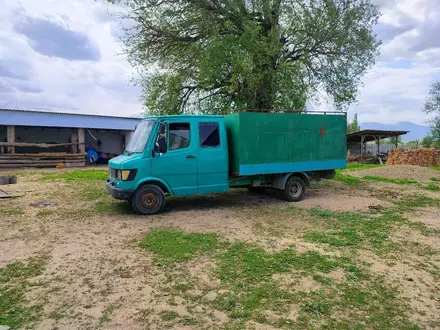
[
  {"x": 280, "y": 181},
  {"x": 158, "y": 182}
]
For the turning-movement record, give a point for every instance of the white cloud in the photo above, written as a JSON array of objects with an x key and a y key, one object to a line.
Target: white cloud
[{"x": 86, "y": 74}]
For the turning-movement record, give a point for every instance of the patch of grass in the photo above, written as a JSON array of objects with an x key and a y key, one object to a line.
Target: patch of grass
[
  {"x": 169, "y": 316},
  {"x": 432, "y": 187},
  {"x": 105, "y": 317},
  {"x": 354, "y": 229},
  {"x": 188, "y": 320},
  {"x": 45, "y": 213},
  {"x": 435, "y": 179},
  {"x": 22, "y": 270},
  {"x": 390, "y": 180},
  {"x": 359, "y": 166},
  {"x": 347, "y": 179},
  {"x": 417, "y": 201},
  {"x": 76, "y": 175},
  {"x": 437, "y": 168},
  {"x": 171, "y": 245},
  {"x": 92, "y": 193},
  {"x": 12, "y": 212},
  {"x": 15, "y": 310}
]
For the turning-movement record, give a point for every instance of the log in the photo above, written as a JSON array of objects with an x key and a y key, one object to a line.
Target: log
[{"x": 420, "y": 157}]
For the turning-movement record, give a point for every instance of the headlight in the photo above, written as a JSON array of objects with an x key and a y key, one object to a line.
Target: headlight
[{"x": 123, "y": 175}]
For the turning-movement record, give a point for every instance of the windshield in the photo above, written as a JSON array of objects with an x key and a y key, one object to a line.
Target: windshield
[{"x": 140, "y": 136}]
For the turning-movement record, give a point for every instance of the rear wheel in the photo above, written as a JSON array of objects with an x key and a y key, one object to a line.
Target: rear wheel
[
  {"x": 257, "y": 190},
  {"x": 295, "y": 189},
  {"x": 148, "y": 200}
]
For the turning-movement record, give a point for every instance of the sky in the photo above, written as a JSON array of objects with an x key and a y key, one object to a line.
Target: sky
[{"x": 67, "y": 56}]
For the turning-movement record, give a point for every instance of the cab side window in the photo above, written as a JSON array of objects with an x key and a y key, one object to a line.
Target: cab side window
[
  {"x": 209, "y": 135},
  {"x": 179, "y": 136}
]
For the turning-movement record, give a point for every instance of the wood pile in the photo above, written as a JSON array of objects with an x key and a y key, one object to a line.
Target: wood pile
[
  {"x": 420, "y": 157},
  {"x": 50, "y": 159}
]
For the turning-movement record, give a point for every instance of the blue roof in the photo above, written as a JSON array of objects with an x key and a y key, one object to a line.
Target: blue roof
[{"x": 61, "y": 119}]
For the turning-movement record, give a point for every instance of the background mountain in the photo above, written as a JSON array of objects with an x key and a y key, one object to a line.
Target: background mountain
[{"x": 416, "y": 132}]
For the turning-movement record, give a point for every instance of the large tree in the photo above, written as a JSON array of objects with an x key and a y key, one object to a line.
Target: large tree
[
  {"x": 211, "y": 55},
  {"x": 432, "y": 106}
]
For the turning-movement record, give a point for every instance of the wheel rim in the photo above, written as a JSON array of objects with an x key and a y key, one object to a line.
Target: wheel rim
[
  {"x": 149, "y": 201},
  {"x": 295, "y": 189}
]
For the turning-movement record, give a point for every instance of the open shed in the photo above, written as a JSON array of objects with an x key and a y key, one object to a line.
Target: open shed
[{"x": 356, "y": 142}]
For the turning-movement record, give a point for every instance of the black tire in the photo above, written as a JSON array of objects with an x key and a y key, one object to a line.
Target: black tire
[
  {"x": 12, "y": 179},
  {"x": 257, "y": 190},
  {"x": 148, "y": 200},
  {"x": 295, "y": 189}
]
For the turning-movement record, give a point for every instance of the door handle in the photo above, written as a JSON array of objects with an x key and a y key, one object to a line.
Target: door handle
[{"x": 190, "y": 156}]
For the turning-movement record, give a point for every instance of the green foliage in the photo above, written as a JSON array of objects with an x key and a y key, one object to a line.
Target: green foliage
[
  {"x": 226, "y": 54},
  {"x": 175, "y": 246},
  {"x": 354, "y": 125},
  {"x": 427, "y": 142},
  {"x": 76, "y": 175},
  {"x": 169, "y": 316},
  {"x": 432, "y": 106},
  {"x": 394, "y": 140},
  {"x": 382, "y": 179}
]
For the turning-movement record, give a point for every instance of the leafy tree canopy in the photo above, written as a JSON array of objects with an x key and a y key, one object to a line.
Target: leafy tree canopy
[
  {"x": 210, "y": 55},
  {"x": 432, "y": 106},
  {"x": 354, "y": 125}
]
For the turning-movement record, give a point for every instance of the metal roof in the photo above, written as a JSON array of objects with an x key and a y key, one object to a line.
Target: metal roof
[
  {"x": 62, "y": 119},
  {"x": 370, "y": 134}
]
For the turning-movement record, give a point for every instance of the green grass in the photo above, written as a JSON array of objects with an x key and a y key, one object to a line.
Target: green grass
[
  {"x": 45, "y": 213},
  {"x": 347, "y": 179},
  {"x": 357, "y": 167},
  {"x": 76, "y": 175},
  {"x": 92, "y": 193},
  {"x": 435, "y": 179},
  {"x": 390, "y": 180},
  {"x": 15, "y": 309},
  {"x": 169, "y": 316},
  {"x": 171, "y": 245},
  {"x": 11, "y": 211},
  {"x": 246, "y": 273},
  {"x": 437, "y": 168},
  {"x": 432, "y": 187},
  {"x": 415, "y": 201},
  {"x": 355, "y": 229}
]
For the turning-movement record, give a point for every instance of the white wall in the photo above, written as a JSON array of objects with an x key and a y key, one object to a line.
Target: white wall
[{"x": 111, "y": 140}]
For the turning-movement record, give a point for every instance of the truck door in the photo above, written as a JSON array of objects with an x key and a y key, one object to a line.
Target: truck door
[
  {"x": 178, "y": 166},
  {"x": 212, "y": 160}
]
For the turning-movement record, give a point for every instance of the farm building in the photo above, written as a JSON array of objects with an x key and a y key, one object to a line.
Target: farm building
[
  {"x": 358, "y": 143},
  {"x": 40, "y": 138}
]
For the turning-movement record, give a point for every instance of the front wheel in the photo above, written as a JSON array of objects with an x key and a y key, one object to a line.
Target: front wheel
[
  {"x": 148, "y": 200},
  {"x": 295, "y": 189}
]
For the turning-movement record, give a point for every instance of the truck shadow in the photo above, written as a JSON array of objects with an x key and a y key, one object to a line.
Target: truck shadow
[{"x": 234, "y": 199}]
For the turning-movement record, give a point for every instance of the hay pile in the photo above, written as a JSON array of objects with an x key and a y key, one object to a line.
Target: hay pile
[{"x": 419, "y": 157}]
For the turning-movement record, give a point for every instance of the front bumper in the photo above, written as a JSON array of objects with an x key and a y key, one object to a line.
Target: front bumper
[{"x": 124, "y": 194}]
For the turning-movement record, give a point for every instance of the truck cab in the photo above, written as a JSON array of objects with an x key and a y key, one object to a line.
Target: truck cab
[{"x": 176, "y": 155}]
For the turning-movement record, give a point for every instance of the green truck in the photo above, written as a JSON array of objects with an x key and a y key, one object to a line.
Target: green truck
[{"x": 204, "y": 154}]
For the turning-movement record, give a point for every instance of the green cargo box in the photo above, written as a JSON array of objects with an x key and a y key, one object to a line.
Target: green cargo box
[{"x": 267, "y": 143}]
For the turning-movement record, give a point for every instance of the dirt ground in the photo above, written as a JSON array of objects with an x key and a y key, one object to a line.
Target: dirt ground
[
  {"x": 97, "y": 277},
  {"x": 412, "y": 172}
]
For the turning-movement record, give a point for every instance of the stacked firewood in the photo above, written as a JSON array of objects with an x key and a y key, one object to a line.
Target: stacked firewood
[{"x": 420, "y": 157}]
